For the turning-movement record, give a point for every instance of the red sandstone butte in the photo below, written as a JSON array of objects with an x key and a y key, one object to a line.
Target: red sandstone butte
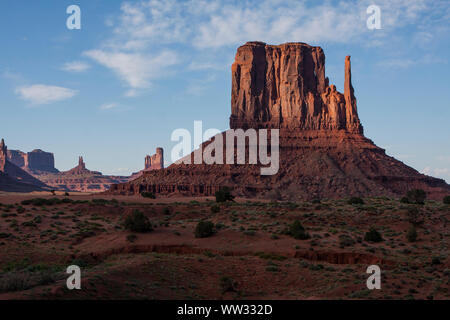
[
  {"x": 36, "y": 162},
  {"x": 13, "y": 178},
  {"x": 323, "y": 150},
  {"x": 154, "y": 162}
]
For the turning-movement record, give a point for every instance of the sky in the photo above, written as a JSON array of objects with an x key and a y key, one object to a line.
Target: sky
[{"x": 117, "y": 88}]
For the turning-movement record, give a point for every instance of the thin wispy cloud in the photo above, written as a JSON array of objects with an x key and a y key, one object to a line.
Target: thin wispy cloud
[
  {"x": 75, "y": 66},
  {"x": 135, "y": 69},
  {"x": 44, "y": 94},
  {"x": 108, "y": 106}
]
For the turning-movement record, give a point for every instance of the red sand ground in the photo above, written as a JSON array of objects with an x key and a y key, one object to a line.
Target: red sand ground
[{"x": 250, "y": 247}]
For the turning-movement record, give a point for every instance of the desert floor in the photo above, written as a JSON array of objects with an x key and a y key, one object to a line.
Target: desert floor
[{"x": 250, "y": 256}]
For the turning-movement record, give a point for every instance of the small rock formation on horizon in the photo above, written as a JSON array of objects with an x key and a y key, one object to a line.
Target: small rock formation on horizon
[
  {"x": 323, "y": 151},
  {"x": 36, "y": 162},
  {"x": 13, "y": 178},
  {"x": 154, "y": 162}
]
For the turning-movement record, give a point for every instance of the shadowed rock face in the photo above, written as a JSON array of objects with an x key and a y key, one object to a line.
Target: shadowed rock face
[
  {"x": 323, "y": 151},
  {"x": 36, "y": 162},
  {"x": 285, "y": 87},
  {"x": 13, "y": 178}
]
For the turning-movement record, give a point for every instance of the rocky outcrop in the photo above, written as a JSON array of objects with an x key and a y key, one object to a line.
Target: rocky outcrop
[
  {"x": 285, "y": 87},
  {"x": 81, "y": 179},
  {"x": 13, "y": 178},
  {"x": 323, "y": 152},
  {"x": 154, "y": 162},
  {"x": 3, "y": 155},
  {"x": 36, "y": 162}
]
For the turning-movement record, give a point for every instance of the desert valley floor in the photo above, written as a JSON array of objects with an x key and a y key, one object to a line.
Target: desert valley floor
[{"x": 250, "y": 256}]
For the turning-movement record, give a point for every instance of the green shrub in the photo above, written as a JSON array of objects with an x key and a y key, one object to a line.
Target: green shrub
[
  {"x": 204, "y": 229},
  {"x": 227, "y": 284},
  {"x": 404, "y": 200},
  {"x": 355, "y": 200},
  {"x": 215, "y": 208},
  {"x": 224, "y": 194},
  {"x": 414, "y": 216},
  {"x": 436, "y": 260},
  {"x": 149, "y": 195},
  {"x": 346, "y": 241},
  {"x": 416, "y": 196},
  {"x": 446, "y": 200},
  {"x": 167, "y": 211},
  {"x": 20, "y": 209},
  {"x": 411, "y": 235},
  {"x": 138, "y": 222},
  {"x": 131, "y": 237},
  {"x": 373, "y": 236},
  {"x": 297, "y": 231}
]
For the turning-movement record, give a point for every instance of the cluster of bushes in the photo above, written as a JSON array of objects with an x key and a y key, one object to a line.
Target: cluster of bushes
[
  {"x": 355, "y": 200},
  {"x": 149, "y": 195},
  {"x": 446, "y": 200},
  {"x": 45, "y": 202},
  {"x": 414, "y": 216},
  {"x": 138, "y": 222},
  {"x": 297, "y": 231},
  {"x": 411, "y": 234},
  {"x": 224, "y": 195},
  {"x": 104, "y": 201},
  {"x": 215, "y": 208},
  {"x": 414, "y": 196},
  {"x": 204, "y": 229},
  {"x": 373, "y": 235}
]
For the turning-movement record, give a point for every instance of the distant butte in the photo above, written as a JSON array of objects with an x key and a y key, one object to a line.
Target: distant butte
[
  {"x": 154, "y": 162},
  {"x": 81, "y": 179},
  {"x": 14, "y": 178}
]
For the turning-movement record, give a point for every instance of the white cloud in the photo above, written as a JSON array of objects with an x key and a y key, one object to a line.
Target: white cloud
[
  {"x": 44, "y": 94},
  {"x": 214, "y": 24},
  {"x": 75, "y": 66},
  {"x": 135, "y": 69},
  {"x": 143, "y": 35},
  {"x": 108, "y": 106},
  {"x": 443, "y": 173}
]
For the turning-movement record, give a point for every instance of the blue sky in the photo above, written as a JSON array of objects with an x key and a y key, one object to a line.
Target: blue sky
[{"x": 116, "y": 89}]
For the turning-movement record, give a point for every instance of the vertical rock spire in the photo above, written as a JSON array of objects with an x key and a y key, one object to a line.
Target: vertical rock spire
[
  {"x": 3, "y": 155},
  {"x": 350, "y": 99},
  {"x": 81, "y": 163}
]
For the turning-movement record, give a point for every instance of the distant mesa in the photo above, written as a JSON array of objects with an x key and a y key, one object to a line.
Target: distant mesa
[
  {"x": 15, "y": 179},
  {"x": 323, "y": 150},
  {"x": 81, "y": 179},
  {"x": 34, "y": 162}
]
